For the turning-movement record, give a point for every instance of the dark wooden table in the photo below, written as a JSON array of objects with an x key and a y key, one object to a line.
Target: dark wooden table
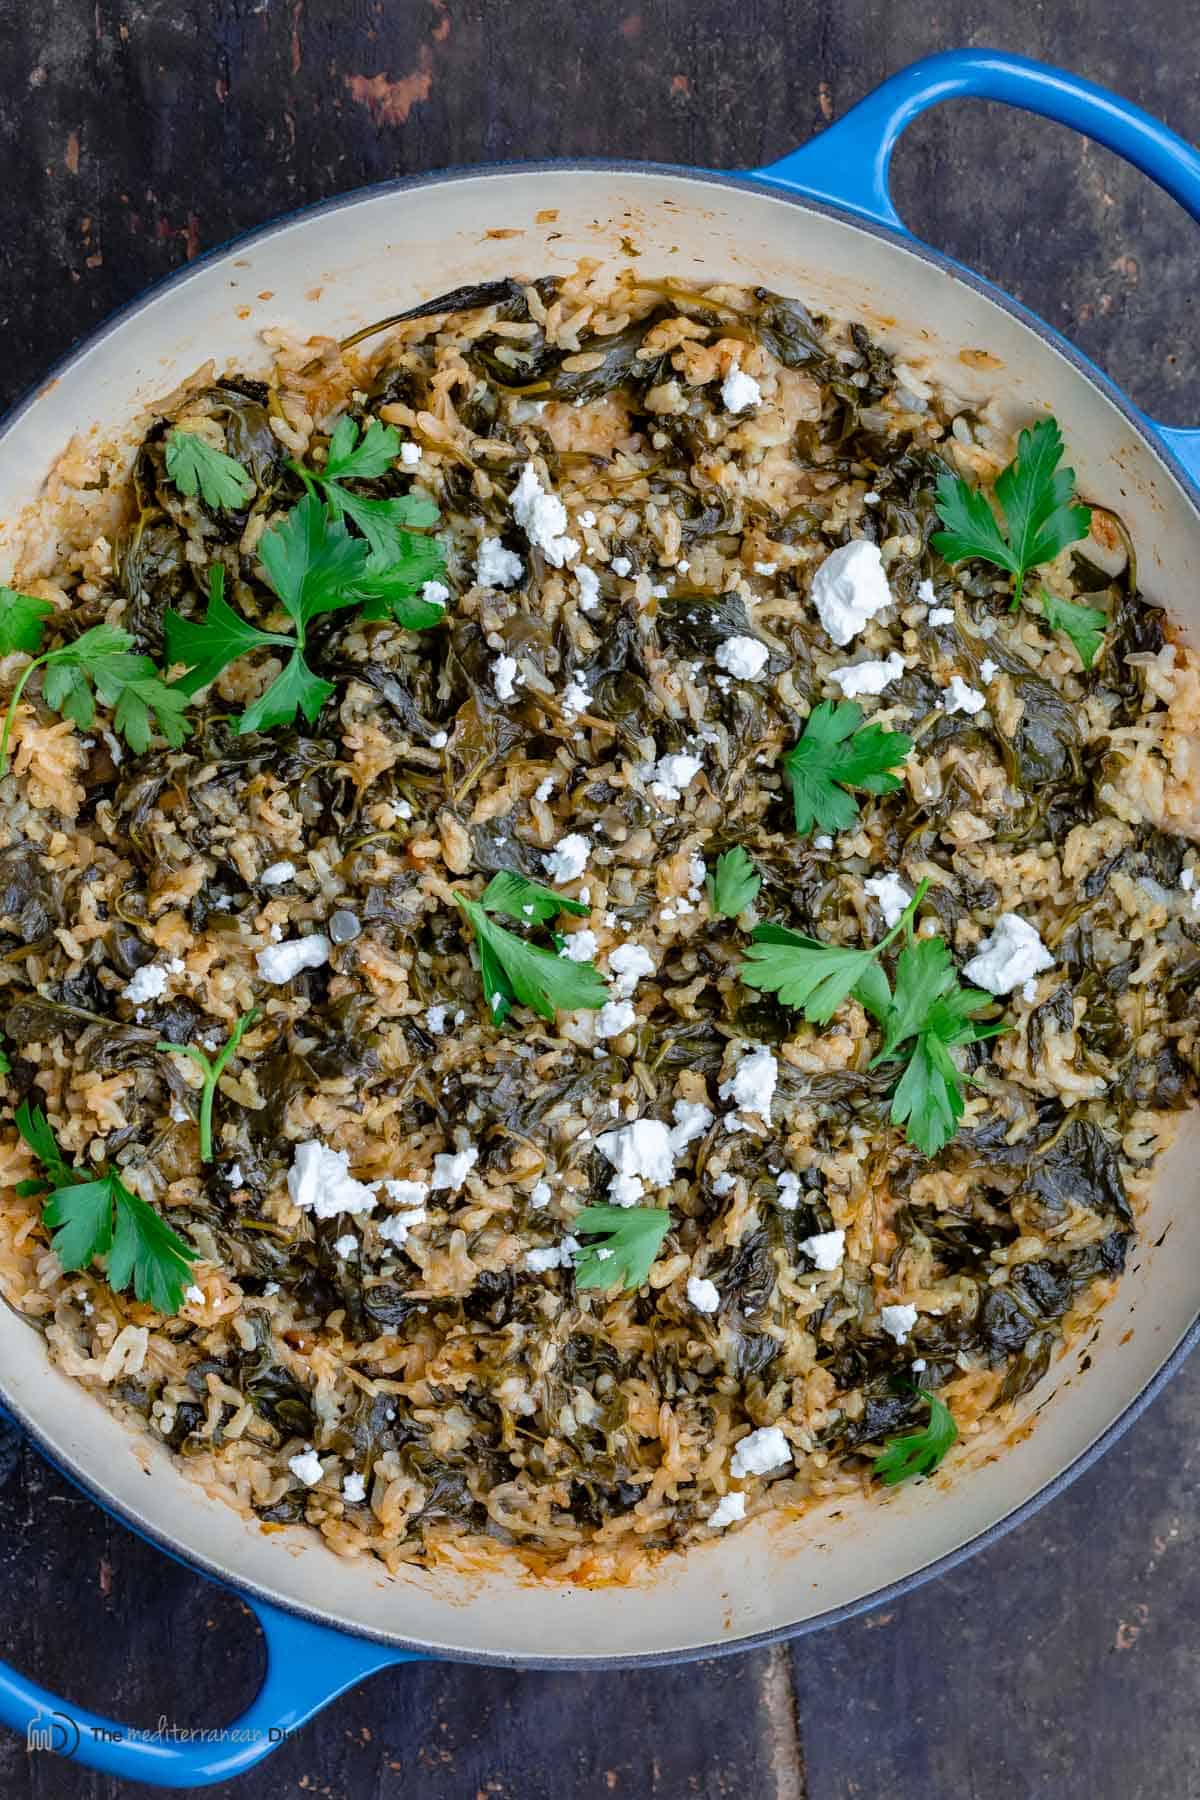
[{"x": 136, "y": 133}]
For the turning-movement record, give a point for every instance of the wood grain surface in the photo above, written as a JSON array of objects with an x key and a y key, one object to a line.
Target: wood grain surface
[{"x": 1062, "y": 1662}]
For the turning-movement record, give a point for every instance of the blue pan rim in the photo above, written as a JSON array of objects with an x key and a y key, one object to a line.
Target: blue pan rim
[{"x": 749, "y": 182}]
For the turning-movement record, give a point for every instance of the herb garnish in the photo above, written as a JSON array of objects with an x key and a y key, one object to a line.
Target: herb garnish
[
  {"x": 99, "y": 1217},
  {"x": 1034, "y": 495},
  {"x": 517, "y": 973},
  {"x": 193, "y": 465},
  {"x": 21, "y": 621},
  {"x": 817, "y": 977},
  {"x": 100, "y": 660},
  {"x": 401, "y": 561},
  {"x": 836, "y": 751},
  {"x": 212, "y": 1070},
  {"x": 925, "y": 1018},
  {"x": 1084, "y": 625},
  {"x": 631, "y": 1234},
  {"x": 917, "y": 1452},
  {"x": 733, "y": 884}
]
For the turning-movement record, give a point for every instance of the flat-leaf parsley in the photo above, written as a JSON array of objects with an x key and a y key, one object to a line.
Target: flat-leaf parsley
[{"x": 836, "y": 752}]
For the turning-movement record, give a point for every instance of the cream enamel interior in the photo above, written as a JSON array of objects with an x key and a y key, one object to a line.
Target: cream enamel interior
[{"x": 374, "y": 255}]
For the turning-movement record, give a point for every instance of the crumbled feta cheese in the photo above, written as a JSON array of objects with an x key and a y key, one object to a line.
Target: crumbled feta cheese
[
  {"x": 435, "y": 593},
  {"x": 396, "y": 1227},
  {"x": 435, "y": 1018},
  {"x": 148, "y": 983},
  {"x": 589, "y": 588},
  {"x": 739, "y": 391},
  {"x": 868, "y": 677},
  {"x": 346, "y": 1246},
  {"x": 450, "y": 1171},
  {"x": 277, "y": 874},
  {"x": 744, "y": 657},
  {"x": 764, "y": 1450},
  {"x": 942, "y": 615},
  {"x": 544, "y": 789},
  {"x": 703, "y": 1294},
  {"x": 723, "y": 1184},
  {"x": 1187, "y": 880},
  {"x": 674, "y": 773},
  {"x": 891, "y": 894},
  {"x": 918, "y": 1363},
  {"x": 751, "y": 1087},
  {"x": 729, "y": 1510},
  {"x": 1029, "y": 991},
  {"x": 628, "y": 963},
  {"x": 319, "y": 1181},
  {"x": 504, "y": 677},
  {"x": 543, "y": 518},
  {"x": 354, "y": 1485},
  {"x": 410, "y": 454},
  {"x": 626, "y": 1190},
  {"x": 641, "y": 1148},
  {"x": 406, "y": 1193},
  {"x": 849, "y": 588},
  {"x": 580, "y": 946},
  {"x": 871, "y": 498},
  {"x": 497, "y": 567},
  {"x": 765, "y": 568},
  {"x": 280, "y": 962},
  {"x": 576, "y": 698},
  {"x": 1008, "y": 958},
  {"x": 826, "y": 1248},
  {"x": 539, "y": 1194},
  {"x": 822, "y": 841},
  {"x": 554, "y": 1256},
  {"x": 898, "y": 1321},
  {"x": 788, "y": 1185},
  {"x": 235, "y": 1176},
  {"x": 568, "y": 859},
  {"x": 587, "y": 519},
  {"x": 439, "y": 740},
  {"x": 614, "y": 1017},
  {"x": 306, "y": 1468},
  {"x": 194, "y": 1295},
  {"x": 988, "y": 670},
  {"x": 621, "y": 566},
  {"x": 960, "y": 697},
  {"x": 925, "y": 592},
  {"x": 692, "y": 1119}
]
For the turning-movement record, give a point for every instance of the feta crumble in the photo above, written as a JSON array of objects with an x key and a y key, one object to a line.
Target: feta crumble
[
  {"x": 739, "y": 391},
  {"x": 692, "y": 1119},
  {"x": 319, "y": 1181},
  {"x": 435, "y": 1018},
  {"x": 410, "y": 454},
  {"x": 277, "y": 874},
  {"x": 729, "y": 1510},
  {"x": 941, "y": 615},
  {"x": 868, "y": 677},
  {"x": 961, "y": 697},
  {"x": 764, "y": 1450},
  {"x": 306, "y": 1468},
  {"x": 439, "y": 740},
  {"x": 354, "y": 1485},
  {"x": 621, "y": 566},
  {"x": 891, "y": 894},
  {"x": 545, "y": 788},
  {"x": 703, "y": 1294},
  {"x": 628, "y": 963},
  {"x": 540, "y": 1193},
  {"x": 451, "y": 1170},
  {"x": 614, "y": 1017},
  {"x": 496, "y": 567},
  {"x": 744, "y": 657},
  {"x": 346, "y": 1246},
  {"x": 641, "y": 1149},
  {"x": 568, "y": 859},
  {"x": 588, "y": 583},
  {"x": 553, "y": 1256},
  {"x": 580, "y": 946},
  {"x": 1009, "y": 957},
  {"x": 504, "y": 677},
  {"x": 751, "y": 1087},
  {"x": 988, "y": 670},
  {"x": 826, "y": 1248},
  {"x": 723, "y": 1184},
  {"x": 822, "y": 841},
  {"x": 435, "y": 593},
  {"x": 849, "y": 588},
  {"x": 788, "y": 1196},
  {"x": 925, "y": 592},
  {"x": 543, "y": 518},
  {"x": 148, "y": 983},
  {"x": 898, "y": 1321},
  {"x": 396, "y": 1227},
  {"x": 279, "y": 963},
  {"x": 194, "y": 1295},
  {"x": 674, "y": 773}
]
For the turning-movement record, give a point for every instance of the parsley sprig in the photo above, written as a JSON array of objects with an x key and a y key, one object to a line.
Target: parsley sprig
[
  {"x": 1034, "y": 496},
  {"x": 98, "y": 665},
  {"x": 817, "y": 977},
  {"x": 195, "y": 467},
  {"x": 401, "y": 561},
  {"x": 836, "y": 752},
  {"x": 632, "y": 1236},
  {"x": 918, "y": 1452},
  {"x": 1084, "y": 625},
  {"x": 212, "y": 1069},
  {"x": 516, "y": 973},
  {"x": 733, "y": 885},
  {"x": 99, "y": 1217}
]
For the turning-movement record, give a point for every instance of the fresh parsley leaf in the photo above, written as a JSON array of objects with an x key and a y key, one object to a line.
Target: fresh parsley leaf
[
  {"x": 5, "y": 1065},
  {"x": 917, "y": 1452},
  {"x": 632, "y": 1235},
  {"x": 22, "y": 622},
  {"x": 297, "y": 689},
  {"x": 99, "y": 664},
  {"x": 312, "y": 562},
  {"x": 1033, "y": 494},
  {"x": 100, "y": 1217},
  {"x": 363, "y": 459},
  {"x": 208, "y": 645},
  {"x": 212, "y": 1069},
  {"x": 733, "y": 884},
  {"x": 814, "y": 976},
  {"x": 1084, "y": 625},
  {"x": 519, "y": 898},
  {"x": 836, "y": 751},
  {"x": 193, "y": 465},
  {"x": 517, "y": 973},
  {"x": 395, "y": 591}
]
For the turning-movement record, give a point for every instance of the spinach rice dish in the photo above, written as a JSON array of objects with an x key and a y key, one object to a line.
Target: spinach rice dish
[{"x": 597, "y": 935}]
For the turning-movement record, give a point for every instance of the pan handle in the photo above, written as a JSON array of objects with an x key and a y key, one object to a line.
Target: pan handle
[
  {"x": 308, "y": 1665},
  {"x": 848, "y": 164}
]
